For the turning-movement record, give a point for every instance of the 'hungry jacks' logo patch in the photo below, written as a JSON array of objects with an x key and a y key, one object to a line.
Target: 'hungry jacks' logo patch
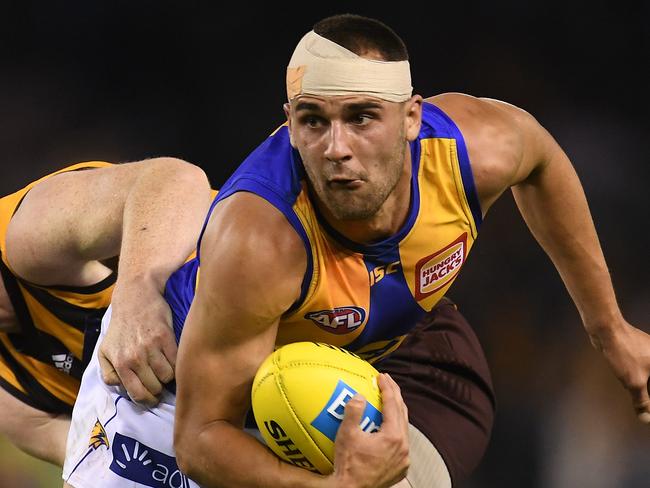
[{"x": 438, "y": 269}]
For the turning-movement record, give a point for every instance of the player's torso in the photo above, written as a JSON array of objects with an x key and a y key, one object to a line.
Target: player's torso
[
  {"x": 42, "y": 362},
  {"x": 366, "y": 298}
]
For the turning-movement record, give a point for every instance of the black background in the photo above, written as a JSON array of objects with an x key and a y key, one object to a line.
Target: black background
[{"x": 124, "y": 81}]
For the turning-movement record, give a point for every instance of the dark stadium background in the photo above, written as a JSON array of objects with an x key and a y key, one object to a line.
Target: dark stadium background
[{"x": 124, "y": 81}]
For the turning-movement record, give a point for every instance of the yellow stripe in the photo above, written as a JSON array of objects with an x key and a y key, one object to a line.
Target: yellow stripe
[
  {"x": 458, "y": 180},
  {"x": 443, "y": 207},
  {"x": 340, "y": 279},
  {"x": 100, "y": 299},
  {"x": 46, "y": 321}
]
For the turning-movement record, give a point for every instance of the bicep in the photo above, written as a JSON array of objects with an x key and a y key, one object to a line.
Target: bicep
[
  {"x": 507, "y": 146},
  {"x": 252, "y": 264},
  {"x": 68, "y": 223},
  {"x": 530, "y": 147},
  {"x": 65, "y": 216}
]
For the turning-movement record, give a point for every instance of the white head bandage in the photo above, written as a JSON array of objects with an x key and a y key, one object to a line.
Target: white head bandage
[{"x": 322, "y": 67}]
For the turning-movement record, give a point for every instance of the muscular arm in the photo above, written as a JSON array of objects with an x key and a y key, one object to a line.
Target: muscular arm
[
  {"x": 252, "y": 266},
  {"x": 149, "y": 213},
  {"x": 509, "y": 148}
]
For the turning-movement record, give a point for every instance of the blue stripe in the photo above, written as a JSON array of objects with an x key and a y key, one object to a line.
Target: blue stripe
[
  {"x": 393, "y": 310},
  {"x": 329, "y": 419},
  {"x": 115, "y": 414},
  {"x": 205, "y": 225},
  {"x": 179, "y": 293},
  {"x": 79, "y": 463},
  {"x": 463, "y": 160}
]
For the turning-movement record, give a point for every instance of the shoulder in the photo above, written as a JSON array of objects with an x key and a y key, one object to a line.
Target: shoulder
[
  {"x": 499, "y": 137},
  {"x": 249, "y": 218},
  {"x": 250, "y": 242}
]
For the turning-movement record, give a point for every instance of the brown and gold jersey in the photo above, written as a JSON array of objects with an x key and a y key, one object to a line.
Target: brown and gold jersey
[{"x": 42, "y": 364}]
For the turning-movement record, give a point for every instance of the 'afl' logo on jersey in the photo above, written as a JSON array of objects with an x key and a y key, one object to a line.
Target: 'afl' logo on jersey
[
  {"x": 341, "y": 320},
  {"x": 440, "y": 268}
]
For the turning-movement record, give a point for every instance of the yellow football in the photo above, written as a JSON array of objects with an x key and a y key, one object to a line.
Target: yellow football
[{"x": 299, "y": 395}]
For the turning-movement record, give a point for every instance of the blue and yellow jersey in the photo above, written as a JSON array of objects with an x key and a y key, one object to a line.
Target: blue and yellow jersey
[
  {"x": 365, "y": 298},
  {"x": 42, "y": 364}
]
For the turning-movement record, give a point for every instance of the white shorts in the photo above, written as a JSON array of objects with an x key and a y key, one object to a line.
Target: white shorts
[{"x": 116, "y": 443}]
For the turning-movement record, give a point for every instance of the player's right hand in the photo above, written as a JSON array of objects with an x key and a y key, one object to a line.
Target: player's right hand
[
  {"x": 628, "y": 353},
  {"x": 139, "y": 349},
  {"x": 380, "y": 459}
]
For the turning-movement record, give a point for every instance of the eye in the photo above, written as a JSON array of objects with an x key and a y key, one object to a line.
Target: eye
[
  {"x": 311, "y": 121},
  {"x": 362, "y": 119}
]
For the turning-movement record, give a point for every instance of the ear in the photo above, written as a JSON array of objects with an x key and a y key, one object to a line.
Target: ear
[
  {"x": 413, "y": 117},
  {"x": 287, "y": 113}
]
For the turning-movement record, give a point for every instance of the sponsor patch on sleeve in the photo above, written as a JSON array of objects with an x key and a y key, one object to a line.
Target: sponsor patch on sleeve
[{"x": 435, "y": 271}]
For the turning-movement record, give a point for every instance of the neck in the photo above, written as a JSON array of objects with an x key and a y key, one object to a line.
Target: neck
[{"x": 386, "y": 222}]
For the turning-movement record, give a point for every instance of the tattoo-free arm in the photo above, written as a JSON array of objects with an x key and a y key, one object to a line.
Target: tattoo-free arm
[
  {"x": 150, "y": 213},
  {"x": 252, "y": 265},
  {"x": 551, "y": 199}
]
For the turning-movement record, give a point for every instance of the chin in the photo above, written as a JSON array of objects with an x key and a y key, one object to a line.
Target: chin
[{"x": 348, "y": 214}]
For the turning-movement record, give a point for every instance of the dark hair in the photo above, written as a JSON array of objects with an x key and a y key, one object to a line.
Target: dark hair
[{"x": 361, "y": 35}]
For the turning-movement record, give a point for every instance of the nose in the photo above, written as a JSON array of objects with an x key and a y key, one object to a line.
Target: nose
[{"x": 338, "y": 147}]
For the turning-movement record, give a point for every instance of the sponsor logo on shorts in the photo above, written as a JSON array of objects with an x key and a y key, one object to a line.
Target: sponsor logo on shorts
[
  {"x": 138, "y": 462},
  {"x": 330, "y": 418},
  {"x": 440, "y": 268},
  {"x": 340, "y": 320},
  {"x": 63, "y": 362},
  {"x": 98, "y": 437}
]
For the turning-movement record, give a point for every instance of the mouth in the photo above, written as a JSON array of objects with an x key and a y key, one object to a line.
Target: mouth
[{"x": 345, "y": 183}]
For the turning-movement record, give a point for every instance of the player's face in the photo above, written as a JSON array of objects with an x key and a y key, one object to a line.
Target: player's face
[{"x": 354, "y": 149}]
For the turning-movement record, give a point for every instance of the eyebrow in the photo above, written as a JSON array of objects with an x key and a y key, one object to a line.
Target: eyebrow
[
  {"x": 352, "y": 107},
  {"x": 308, "y": 106},
  {"x": 356, "y": 107}
]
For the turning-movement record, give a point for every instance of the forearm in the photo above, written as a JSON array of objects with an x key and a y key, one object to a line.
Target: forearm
[
  {"x": 222, "y": 455},
  {"x": 555, "y": 209},
  {"x": 162, "y": 218}
]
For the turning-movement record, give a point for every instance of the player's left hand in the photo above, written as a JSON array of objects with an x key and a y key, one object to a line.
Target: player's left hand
[
  {"x": 628, "y": 353},
  {"x": 380, "y": 459},
  {"x": 139, "y": 349}
]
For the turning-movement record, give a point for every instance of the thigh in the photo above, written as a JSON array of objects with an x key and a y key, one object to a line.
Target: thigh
[
  {"x": 27, "y": 427},
  {"x": 446, "y": 384}
]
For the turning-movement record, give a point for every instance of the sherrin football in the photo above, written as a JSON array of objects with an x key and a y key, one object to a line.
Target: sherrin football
[{"x": 299, "y": 395}]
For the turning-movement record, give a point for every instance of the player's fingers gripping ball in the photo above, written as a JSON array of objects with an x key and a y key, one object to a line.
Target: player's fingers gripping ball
[{"x": 299, "y": 396}]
